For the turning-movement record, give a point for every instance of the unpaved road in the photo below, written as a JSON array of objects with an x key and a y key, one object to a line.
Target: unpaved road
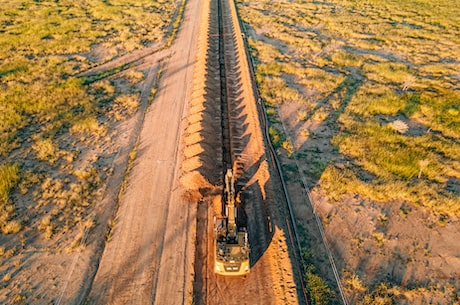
[{"x": 148, "y": 259}]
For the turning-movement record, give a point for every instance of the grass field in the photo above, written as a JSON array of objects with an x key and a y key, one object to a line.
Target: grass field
[
  {"x": 376, "y": 90},
  {"x": 48, "y": 114},
  {"x": 61, "y": 123},
  {"x": 369, "y": 69}
]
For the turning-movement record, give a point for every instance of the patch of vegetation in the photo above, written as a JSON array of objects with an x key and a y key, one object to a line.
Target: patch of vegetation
[
  {"x": 124, "y": 106},
  {"x": 66, "y": 200},
  {"x": 43, "y": 47},
  {"x": 176, "y": 24},
  {"x": 382, "y": 294},
  {"x": 9, "y": 177},
  {"x": 401, "y": 121},
  {"x": 275, "y": 136},
  {"x": 319, "y": 293}
]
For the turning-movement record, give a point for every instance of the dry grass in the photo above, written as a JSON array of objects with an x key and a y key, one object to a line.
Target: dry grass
[
  {"x": 124, "y": 106},
  {"x": 63, "y": 203},
  {"x": 376, "y": 85},
  {"x": 9, "y": 177},
  {"x": 50, "y": 118},
  {"x": 391, "y": 81}
]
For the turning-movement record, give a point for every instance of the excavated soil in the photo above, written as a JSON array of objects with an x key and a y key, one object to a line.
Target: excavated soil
[{"x": 272, "y": 277}]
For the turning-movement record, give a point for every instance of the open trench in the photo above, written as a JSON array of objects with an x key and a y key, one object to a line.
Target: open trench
[{"x": 224, "y": 130}]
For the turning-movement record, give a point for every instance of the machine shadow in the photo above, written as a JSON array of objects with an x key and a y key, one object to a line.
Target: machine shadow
[{"x": 255, "y": 207}]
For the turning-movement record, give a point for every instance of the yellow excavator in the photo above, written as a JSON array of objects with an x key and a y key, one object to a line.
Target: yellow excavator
[{"x": 231, "y": 242}]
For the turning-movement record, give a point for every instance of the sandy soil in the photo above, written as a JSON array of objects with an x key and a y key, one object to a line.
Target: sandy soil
[
  {"x": 392, "y": 242},
  {"x": 149, "y": 257}
]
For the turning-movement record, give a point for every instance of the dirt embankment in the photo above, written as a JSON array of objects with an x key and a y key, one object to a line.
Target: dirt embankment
[{"x": 272, "y": 279}]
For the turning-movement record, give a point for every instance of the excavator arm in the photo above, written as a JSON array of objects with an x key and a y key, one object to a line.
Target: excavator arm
[{"x": 231, "y": 242}]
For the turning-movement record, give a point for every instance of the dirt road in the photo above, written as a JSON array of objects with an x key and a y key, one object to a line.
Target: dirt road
[{"x": 148, "y": 259}]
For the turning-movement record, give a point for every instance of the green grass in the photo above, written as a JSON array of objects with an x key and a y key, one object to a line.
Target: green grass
[
  {"x": 9, "y": 177},
  {"x": 383, "y": 152},
  {"x": 377, "y": 89},
  {"x": 319, "y": 292},
  {"x": 49, "y": 114},
  {"x": 372, "y": 62},
  {"x": 276, "y": 137}
]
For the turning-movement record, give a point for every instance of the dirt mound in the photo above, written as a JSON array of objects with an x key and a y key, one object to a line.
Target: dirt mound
[
  {"x": 192, "y": 196},
  {"x": 194, "y": 181}
]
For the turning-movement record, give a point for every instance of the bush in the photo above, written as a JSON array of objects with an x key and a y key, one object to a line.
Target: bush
[
  {"x": 9, "y": 177},
  {"x": 318, "y": 291},
  {"x": 382, "y": 295}
]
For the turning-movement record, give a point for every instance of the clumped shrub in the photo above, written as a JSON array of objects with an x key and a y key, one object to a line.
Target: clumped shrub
[
  {"x": 46, "y": 226},
  {"x": 46, "y": 150},
  {"x": 287, "y": 145},
  {"x": 319, "y": 293},
  {"x": 381, "y": 295},
  {"x": 318, "y": 290},
  {"x": 134, "y": 76},
  {"x": 88, "y": 126},
  {"x": 124, "y": 106},
  {"x": 352, "y": 283},
  {"x": 275, "y": 136},
  {"x": 9, "y": 177},
  {"x": 103, "y": 87},
  {"x": 399, "y": 126}
]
